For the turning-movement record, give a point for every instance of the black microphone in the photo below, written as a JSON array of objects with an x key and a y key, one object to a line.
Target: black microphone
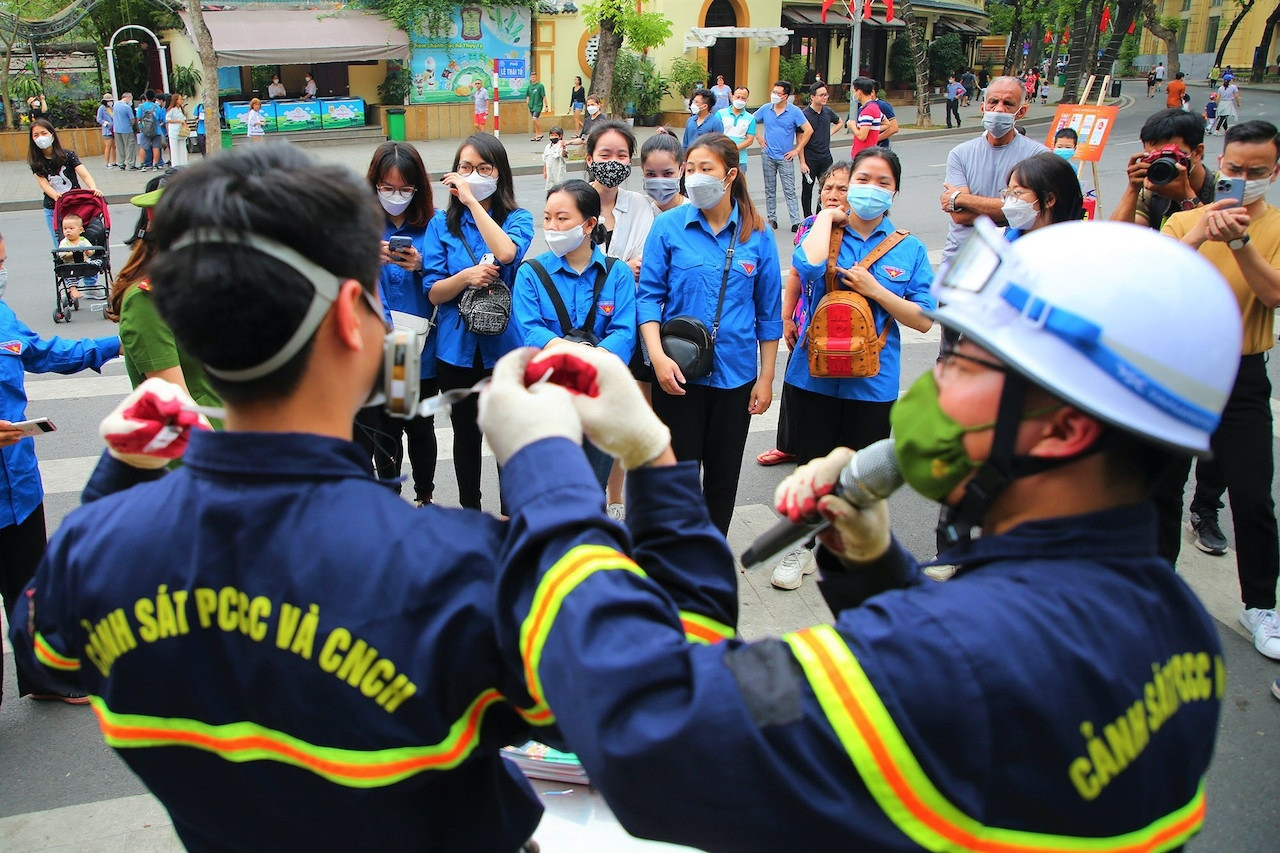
[{"x": 872, "y": 475}]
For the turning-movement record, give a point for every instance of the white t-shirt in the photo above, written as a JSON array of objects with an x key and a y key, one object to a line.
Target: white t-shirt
[
  {"x": 311, "y": 88},
  {"x": 1227, "y": 93},
  {"x": 1159, "y": 72},
  {"x": 482, "y": 101}
]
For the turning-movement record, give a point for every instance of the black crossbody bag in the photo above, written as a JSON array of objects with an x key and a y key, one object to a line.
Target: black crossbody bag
[
  {"x": 687, "y": 342},
  {"x": 485, "y": 310},
  {"x": 584, "y": 334}
]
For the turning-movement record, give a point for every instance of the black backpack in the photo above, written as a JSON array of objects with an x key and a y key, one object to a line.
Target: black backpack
[{"x": 147, "y": 122}]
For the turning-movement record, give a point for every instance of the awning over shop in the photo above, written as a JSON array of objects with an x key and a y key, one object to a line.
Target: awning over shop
[
  {"x": 302, "y": 37},
  {"x": 699, "y": 37},
  {"x": 811, "y": 16},
  {"x": 965, "y": 29}
]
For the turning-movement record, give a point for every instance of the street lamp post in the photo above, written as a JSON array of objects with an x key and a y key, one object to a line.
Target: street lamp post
[{"x": 111, "y": 59}]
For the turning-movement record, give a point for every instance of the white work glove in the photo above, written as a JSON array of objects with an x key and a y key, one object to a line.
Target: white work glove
[
  {"x": 514, "y": 416},
  {"x": 614, "y": 414},
  {"x": 152, "y": 426},
  {"x": 855, "y": 535}
]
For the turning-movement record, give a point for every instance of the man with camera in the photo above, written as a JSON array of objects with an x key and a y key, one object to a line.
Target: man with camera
[
  {"x": 1168, "y": 174},
  {"x": 1241, "y": 238}
]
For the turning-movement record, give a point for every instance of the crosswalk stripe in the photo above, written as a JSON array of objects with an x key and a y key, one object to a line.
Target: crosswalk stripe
[{"x": 78, "y": 387}]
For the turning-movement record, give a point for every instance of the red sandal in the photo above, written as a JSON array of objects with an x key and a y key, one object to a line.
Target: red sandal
[{"x": 775, "y": 457}]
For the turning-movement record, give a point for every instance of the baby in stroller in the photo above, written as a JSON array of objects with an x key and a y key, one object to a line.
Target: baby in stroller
[{"x": 84, "y": 225}]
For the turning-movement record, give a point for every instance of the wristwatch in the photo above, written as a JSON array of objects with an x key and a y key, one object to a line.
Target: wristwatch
[
  {"x": 1237, "y": 245},
  {"x": 955, "y": 195},
  {"x": 1189, "y": 204}
]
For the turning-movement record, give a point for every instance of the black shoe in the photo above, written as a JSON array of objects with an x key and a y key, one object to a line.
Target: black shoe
[
  {"x": 773, "y": 223},
  {"x": 795, "y": 226},
  {"x": 1206, "y": 534}
]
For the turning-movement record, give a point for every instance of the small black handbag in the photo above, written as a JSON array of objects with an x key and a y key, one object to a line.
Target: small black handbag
[{"x": 686, "y": 340}]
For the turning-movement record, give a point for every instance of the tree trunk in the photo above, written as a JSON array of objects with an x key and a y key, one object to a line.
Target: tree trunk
[
  {"x": 10, "y": 114},
  {"x": 209, "y": 77},
  {"x": 1126, "y": 13},
  {"x": 606, "y": 59},
  {"x": 1077, "y": 64},
  {"x": 1166, "y": 34},
  {"x": 1035, "y": 35},
  {"x": 1264, "y": 47},
  {"x": 915, "y": 33},
  {"x": 1013, "y": 52},
  {"x": 1231, "y": 31}
]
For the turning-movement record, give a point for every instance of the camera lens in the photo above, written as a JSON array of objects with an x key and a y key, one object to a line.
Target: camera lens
[{"x": 1162, "y": 171}]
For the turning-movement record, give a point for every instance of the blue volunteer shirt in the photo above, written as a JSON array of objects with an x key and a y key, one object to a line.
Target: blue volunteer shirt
[
  {"x": 681, "y": 274},
  {"x": 23, "y": 351},
  {"x": 780, "y": 130},
  {"x": 738, "y": 126},
  {"x": 122, "y": 118},
  {"x": 615, "y": 321},
  {"x": 692, "y": 130},
  {"x": 402, "y": 290},
  {"x": 447, "y": 255},
  {"x": 904, "y": 270}
]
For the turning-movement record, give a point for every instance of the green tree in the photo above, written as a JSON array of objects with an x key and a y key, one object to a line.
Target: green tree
[
  {"x": 946, "y": 57},
  {"x": 620, "y": 21},
  {"x": 915, "y": 35},
  {"x": 1165, "y": 29}
]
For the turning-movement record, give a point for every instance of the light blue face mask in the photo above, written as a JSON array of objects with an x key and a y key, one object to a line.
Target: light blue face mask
[
  {"x": 1065, "y": 153},
  {"x": 869, "y": 202}
]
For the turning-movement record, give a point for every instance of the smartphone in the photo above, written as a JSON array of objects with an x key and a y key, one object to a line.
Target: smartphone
[
  {"x": 488, "y": 258},
  {"x": 1224, "y": 188},
  {"x": 38, "y": 426},
  {"x": 399, "y": 244}
]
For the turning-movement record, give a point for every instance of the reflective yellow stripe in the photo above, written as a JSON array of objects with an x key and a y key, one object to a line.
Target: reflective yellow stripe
[
  {"x": 700, "y": 629},
  {"x": 561, "y": 579},
  {"x": 51, "y": 657},
  {"x": 906, "y": 794},
  {"x": 240, "y": 742}
]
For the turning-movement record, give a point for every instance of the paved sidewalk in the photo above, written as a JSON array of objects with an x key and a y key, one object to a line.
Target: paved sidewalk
[{"x": 19, "y": 191}]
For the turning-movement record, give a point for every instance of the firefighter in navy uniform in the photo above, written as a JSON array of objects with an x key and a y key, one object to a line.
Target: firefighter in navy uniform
[
  {"x": 1060, "y": 693},
  {"x": 289, "y": 655}
]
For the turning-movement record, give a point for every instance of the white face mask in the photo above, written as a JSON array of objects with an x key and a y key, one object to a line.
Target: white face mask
[
  {"x": 739, "y": 104},
  {"x": 482, "y": 187},
  {"x": 4, "y": 281},
  {"x": 775, "y": 99},
  {"x": 1254, "y": 190},
  {"x": 44, "y": 143},
  {"x": 1018, "y": 213},
  {"x": 394, "y": 207},
  {"x": 693, "y": 108},
  {"x": 562, "y": 243},
  {"x": 705, "y": 191},
  {"x": 592, "y": 109}
]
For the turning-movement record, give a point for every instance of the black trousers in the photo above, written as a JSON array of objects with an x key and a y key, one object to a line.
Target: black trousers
[
  {"x": 466, "y": 432},
  {"x": 817, "y": 167},
  {"x": 953, "y": 109},
  {"x": 379, "y": 435},
  {"x": 822, "y": 423},
  {"x": 21, "y": 547},
  {"x": 710, "y": 425},
  {"x": 1242, "y": 450}
]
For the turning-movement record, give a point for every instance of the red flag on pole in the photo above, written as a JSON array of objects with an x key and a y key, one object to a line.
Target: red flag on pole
[
  {"x": 1106, "y": 19},
  {"x": 826, "y": 4},
  {"x": 1129, "y": 31},
  {"x": 866, "y": 10},
  {"x": 1066, "y": 36},
  {"x": 1048, "y": 37},
  {"x": 888, "y": 10}
]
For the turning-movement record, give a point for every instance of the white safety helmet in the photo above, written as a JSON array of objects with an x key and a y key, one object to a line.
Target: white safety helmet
[{"x": 1118, "y": 320}]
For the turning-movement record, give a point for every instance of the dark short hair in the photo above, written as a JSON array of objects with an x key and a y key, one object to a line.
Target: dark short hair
[
  {"x": 1173, "y": 123},
  {"x": 584, "y": 196},
  {"x": 784, "y": 86},
  {"x": 708, "y": 97},
  {"x": 1067, "y": 133},
  {"x": 406, "y": 160},
  {"x": 233, "y": 308},
  {"x": 599, "y": 130},
  {"x": 813, "y": 90},
  {"x": 895, "y": 165},
  {"x": 865, "y": 85},
  {"x": 662, "y": 142},
  {"x": 1256, "y": 130},
  {"x": 1047, "y": 174},
  {"x": 1179, "y": 76}
]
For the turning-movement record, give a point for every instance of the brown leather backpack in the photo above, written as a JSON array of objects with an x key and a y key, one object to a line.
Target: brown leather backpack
[{"x": 842, "y": 338}]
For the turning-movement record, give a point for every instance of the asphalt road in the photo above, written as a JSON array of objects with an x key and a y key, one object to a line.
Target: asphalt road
[{"x": 54, "y": 757}]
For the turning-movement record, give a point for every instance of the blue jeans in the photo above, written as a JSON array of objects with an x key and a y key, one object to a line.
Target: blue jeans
[
  {"x": 601, "y": 462},
  {"x": 48, "y": 220},
  {"x": 786, "y": 169}
]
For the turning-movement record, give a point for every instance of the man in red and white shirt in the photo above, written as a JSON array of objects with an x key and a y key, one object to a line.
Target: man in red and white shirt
[{"x": 866, "y": 126}]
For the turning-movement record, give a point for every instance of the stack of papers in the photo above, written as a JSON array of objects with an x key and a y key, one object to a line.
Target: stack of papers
[{"x": 539, "y": 761}]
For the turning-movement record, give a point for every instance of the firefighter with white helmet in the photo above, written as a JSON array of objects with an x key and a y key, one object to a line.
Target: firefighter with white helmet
[{"x": 1061, "y": 692}]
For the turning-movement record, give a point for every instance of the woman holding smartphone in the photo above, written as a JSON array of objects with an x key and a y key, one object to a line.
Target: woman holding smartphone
[
  {"x": 718, "y": 243},
  {"x": 399, "y": 178},
  {"x": 480, "y": 239}
]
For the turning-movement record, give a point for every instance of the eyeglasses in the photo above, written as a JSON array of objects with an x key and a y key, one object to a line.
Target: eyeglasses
[
  {"x": 396, "y": 193},
  {"x": 485, "y": 169},
  {"x": 948, "y": 357},
  {"x": 1019, "y": 193}
]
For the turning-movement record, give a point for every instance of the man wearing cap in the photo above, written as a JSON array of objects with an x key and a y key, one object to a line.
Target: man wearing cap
[
  {"x": 1064, "y": 664},
  {"x": 1241, "y": 238},
  {"x": 302, "y": 660}
]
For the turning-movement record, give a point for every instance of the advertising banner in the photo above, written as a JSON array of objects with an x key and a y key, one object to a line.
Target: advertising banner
[
  {"x": 443, "y": 67},
  {"x": 341, "y": 112},
  {"x": 297, "y": 115},
  {"x": 1092, "y": 123}
]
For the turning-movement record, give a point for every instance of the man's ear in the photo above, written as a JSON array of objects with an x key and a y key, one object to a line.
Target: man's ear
[
  {"x": 347, "y": 315},
  {"x": 1067, "y": 431}
]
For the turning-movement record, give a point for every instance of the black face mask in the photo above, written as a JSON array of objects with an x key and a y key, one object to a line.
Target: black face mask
[{"x": 554, "y": 140}]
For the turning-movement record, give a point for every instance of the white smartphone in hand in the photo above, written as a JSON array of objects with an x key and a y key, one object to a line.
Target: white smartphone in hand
[{"x": 38, "y": 426}]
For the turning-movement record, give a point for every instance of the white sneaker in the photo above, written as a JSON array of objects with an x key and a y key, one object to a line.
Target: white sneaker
[
  {"x": 1265, "y": 627},
  {"x": 943, "y": 572},
  {"x": 789, "y": 573},
  {"x": 617, "y": 512}
]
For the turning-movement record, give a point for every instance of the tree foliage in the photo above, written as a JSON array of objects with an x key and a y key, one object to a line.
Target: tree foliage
[
  {"x": 946, "y": 56},
  {"x": 431, "y": 16},
  {"x": 619, "y": 22}
]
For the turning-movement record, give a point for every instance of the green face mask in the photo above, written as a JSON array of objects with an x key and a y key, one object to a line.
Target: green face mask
[{"x": 929, "y": 444}]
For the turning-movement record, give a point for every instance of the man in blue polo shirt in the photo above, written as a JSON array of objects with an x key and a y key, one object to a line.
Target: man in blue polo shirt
[
  {"x": 702, "y": 120},
  {"x": 781, "y": 131}
]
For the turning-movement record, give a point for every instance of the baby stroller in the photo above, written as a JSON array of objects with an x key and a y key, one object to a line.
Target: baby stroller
[{"x": 88, "y": 270}]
